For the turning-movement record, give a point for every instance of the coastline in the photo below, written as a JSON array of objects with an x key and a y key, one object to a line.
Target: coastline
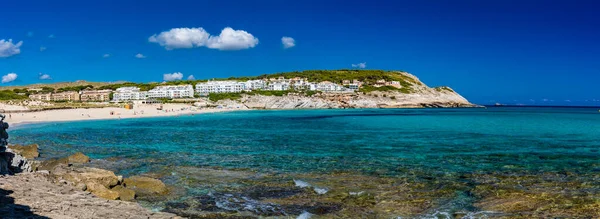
[{"x": 147, "y": 111}]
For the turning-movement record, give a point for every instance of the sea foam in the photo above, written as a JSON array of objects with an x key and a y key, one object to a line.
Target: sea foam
[
  {"x": 304, "y": 215},
  {"x": 301, "y": 183}
]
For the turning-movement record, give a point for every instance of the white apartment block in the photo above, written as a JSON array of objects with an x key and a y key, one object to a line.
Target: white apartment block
[
  {"x": 173, "y": 91},
  {"x": 354, "y": 86},
  {"x": 255, "y": 85},
  {"x": 278, "y": 86},
  {"x": 300, "y": 84},
  {"x": 129, "y": 93},
  {"x": 327, "y": 86},
  {"x": 220, "y": 87}
]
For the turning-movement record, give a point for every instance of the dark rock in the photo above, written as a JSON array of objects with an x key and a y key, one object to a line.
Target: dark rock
[
  {"x": 317, "y": 208},
  {"x": 207, "y": 203},
  {"x": 263, "y": 192}
]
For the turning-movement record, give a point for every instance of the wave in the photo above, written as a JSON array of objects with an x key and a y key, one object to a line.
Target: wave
[
  {"x": 301, "y": 184},
  {"x": 304, "y": 215},
  {"x": 318, "y": 190}
]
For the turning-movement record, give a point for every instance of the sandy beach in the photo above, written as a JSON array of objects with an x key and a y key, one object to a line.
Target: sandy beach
[{"x": 138, "y": 111}]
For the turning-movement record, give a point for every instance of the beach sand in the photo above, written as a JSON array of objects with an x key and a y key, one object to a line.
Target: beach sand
[{"x": 138, "y": 111}]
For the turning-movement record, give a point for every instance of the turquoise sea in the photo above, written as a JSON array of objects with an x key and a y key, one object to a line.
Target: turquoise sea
[{"x": 378, "y": 163}]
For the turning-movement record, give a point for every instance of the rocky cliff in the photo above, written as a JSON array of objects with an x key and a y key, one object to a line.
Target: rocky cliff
[{"x": 412, "y": 94}]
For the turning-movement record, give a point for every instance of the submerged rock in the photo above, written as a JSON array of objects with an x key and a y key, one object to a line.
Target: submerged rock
[
  {"x": 264, "y": 192},
  {"x": 145, "y": 185}
]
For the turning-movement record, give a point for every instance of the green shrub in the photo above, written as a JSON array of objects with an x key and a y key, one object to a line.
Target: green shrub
[
  {"x": 224, "y": 96},
  {"x": 11, "y": 95}
]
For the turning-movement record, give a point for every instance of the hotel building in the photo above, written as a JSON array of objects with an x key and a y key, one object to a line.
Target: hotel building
[
  {"x": 129, "y": 93},
  {"x": 95, "y": 95},
  {"x": 173, "y": 91},
  {"x": 221, "y": 87}
]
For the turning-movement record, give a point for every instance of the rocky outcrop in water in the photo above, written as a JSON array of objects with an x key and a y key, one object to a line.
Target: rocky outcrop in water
[
  {"x": 27, "y": 151},
  {"x": 145, "y": 185},
  {"x": 78, "y": 158}
]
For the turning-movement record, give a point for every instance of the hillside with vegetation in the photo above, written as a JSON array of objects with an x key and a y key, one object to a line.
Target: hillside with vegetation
[{"x": 408, "y": 90}]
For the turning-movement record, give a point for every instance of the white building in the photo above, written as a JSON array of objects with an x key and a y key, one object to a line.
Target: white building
[
  {"x": 301, "y": 84},
  {"x": 129, "y": 93},
  {"x": 255, "y": 85},
  {"x": 173, "y": 91},
  {"x": 278, "y": 86},
  {"x": 327, "y": 86},
  {"x": 354, "y": 86},
  {"x": 220, "y": 87}
]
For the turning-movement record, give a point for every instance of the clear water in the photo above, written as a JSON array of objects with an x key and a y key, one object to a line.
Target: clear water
[{"x": 369, "y": 142}]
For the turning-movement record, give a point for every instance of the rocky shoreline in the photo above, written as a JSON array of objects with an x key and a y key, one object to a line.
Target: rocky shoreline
[
  {"x": 65, "y": 188},
  {"x": 414, "y": 94}
]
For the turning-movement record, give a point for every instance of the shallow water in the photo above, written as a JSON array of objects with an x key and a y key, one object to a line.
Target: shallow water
[{"x": 439, "y": 148}]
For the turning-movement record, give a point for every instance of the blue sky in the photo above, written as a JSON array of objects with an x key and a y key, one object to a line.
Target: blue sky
[{"x": 529, "y": 52}]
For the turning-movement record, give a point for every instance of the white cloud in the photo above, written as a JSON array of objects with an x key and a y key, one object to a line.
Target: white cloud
[
  {"x": 231, "y": 39},
  {"x": 43, "y": 76},
  {"x": 9, "y": 77},
  {"x": 173, "y": 76},
  {"x": 360, "y": 65},
  {"x": 42, "y": 48},
  {"x": 7, "y": 48},
  {"x": 108, "y": 55},
  {"x": 180, "y": 38},
  {"x": 140, "y": 56},
  {"x": 191, "y": 78},
  {"x": 288, "y": 42},
  {"x": 51, "y": 36}
]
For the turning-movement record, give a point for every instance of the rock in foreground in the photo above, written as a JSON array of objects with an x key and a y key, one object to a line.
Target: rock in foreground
[{"x": 31, "y": 195}]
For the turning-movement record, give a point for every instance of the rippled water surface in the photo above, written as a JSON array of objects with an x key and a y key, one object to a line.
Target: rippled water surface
[{"x": 447, "y": 155}]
